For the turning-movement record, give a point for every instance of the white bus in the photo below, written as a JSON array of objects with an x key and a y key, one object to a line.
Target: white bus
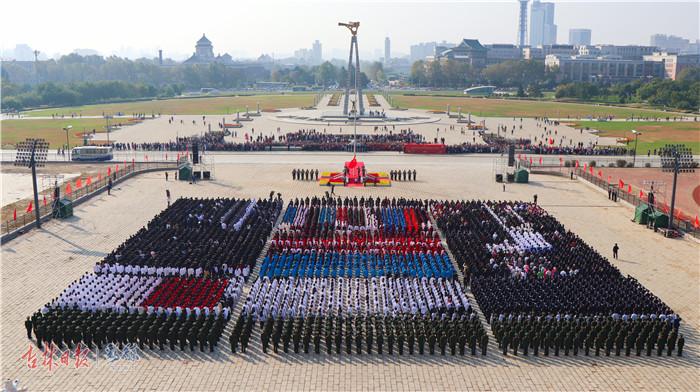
[{"x": 92, "y": 153}]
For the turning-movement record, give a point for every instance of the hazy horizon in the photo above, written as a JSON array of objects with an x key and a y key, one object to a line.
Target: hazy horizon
[{"x": 246, "y": 30}]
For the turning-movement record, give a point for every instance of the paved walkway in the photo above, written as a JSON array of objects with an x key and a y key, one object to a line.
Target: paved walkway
[{"x": 39, "y": 265}]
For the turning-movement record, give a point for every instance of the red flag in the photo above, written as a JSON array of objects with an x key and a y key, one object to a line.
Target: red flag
[
  {"x": 44, "y": 200},
  {"x": 577, "y": 164},
  {"x": 14, "y": 215},
  {"x": 629, "y": 188},
  {"x": 530, "y": 161},
  {"x": 78, "y": 183},
  {"x": 591, "y": 169},
  {"x": 540, "y": 161},
  {"x": 69, "y": 190},
  {"x": 29, "y": 207},
  {"x": 116, "y": 169},
  {"x": 89, "y": 180},
  {"x": 621, "y": 184},
  {"x": 609, "y": 179},
  {"x": 99, "y": 176},
  {"x": 641, "y": 193},
  {"x": 109, "y": 171},
  {"x": 696, "y": 222},
  {"x": 585, "y": 166},
  {"x": 600, "y": 173},
  {"x": 178, "y": 156}
]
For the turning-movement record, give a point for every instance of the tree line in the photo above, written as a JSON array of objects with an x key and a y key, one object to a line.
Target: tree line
[
  {"x": 524, "y": 74},
  {"x": 77, "y": 80},
  {"x": 682, "y": 93}
]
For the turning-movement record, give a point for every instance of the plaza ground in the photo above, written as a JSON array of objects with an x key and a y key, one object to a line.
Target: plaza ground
[{"x": 37, "y": 266}]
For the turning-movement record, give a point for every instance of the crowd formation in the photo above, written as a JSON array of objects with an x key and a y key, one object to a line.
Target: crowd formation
[
  {"x": 360, "y": 275},
  {"x": 358, "y": 272},
  {"x": 529, "y": 274},
  {"x": 172, "y": 283},
  {"x": 588, "y": 335}
]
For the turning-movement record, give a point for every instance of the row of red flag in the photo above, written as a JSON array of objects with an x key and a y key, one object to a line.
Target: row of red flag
[
  {"x": 78, "y": 185},
  {"x": 621, "y": 184}
]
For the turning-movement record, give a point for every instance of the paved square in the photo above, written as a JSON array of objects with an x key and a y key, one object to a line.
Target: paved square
[{"x": 39, "y": 265}]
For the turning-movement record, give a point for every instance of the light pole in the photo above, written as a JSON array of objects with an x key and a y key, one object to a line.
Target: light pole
[
  {"x": 636, "y": 138},
  {"x": 107, "y": 118},
  {"x": 68, "y": 128},
  {"x": 676, "y": 158}
]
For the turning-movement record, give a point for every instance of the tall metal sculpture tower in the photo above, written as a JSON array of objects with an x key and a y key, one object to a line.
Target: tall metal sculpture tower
[
  {"x": 522, "y": 25},
  {"x": 353, "y": 26}
]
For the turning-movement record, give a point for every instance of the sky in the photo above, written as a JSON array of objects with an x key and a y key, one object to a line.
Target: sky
[{"x": 246, "y": 29}]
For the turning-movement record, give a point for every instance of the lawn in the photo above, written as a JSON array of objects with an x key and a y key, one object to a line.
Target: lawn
[
  {"x": 12, "y": 131},
  {"x": 491, "y": 107},
  {"x": 208, "y": 105},
  {"x": 654, "y": 134}
]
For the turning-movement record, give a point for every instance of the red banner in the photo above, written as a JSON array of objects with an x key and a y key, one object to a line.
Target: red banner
[{"x": 413, "y": 148}]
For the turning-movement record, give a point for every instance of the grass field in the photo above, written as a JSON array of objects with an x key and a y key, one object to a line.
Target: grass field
[
  {"x": 654, "y": 134},
  {"x": 514, "y": 108},
  {"x": 12, "y": 131},
  {"x": 209, "y": 105}
]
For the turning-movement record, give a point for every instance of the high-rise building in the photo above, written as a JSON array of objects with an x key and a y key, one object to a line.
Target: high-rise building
[
  {"x": 522, "y": 23},
  {"x": 580, "y": 37},
  {"x": 543, "y": 31},
  {"x": 672, "y": 43},
  {"x": 316, "y": 53},
  {"x": 422, "y": 50},
  {"x": 387, "y": 50}
]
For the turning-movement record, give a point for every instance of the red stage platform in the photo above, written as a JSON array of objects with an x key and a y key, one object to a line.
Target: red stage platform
[{"x": 354, "y": 175}]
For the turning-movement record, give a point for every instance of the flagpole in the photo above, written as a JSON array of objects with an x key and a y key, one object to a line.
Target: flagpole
[{"x": 354, "y": 131}]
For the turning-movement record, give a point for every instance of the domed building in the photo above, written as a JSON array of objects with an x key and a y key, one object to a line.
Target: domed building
[{"x": 204, "y": 54}]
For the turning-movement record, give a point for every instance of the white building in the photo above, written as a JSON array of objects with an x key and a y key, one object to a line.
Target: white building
[
  {"x": 589, "y": 68},
  {"x": 627, "y": 52},
  {"x": 674, "y": 63}
]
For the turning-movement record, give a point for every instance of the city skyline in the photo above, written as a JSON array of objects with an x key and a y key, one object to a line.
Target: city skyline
[{"x": 252, "y": 36}]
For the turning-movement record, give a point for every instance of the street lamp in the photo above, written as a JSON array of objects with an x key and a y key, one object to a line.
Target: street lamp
[
  {"x": 68, "y": 128},
  {"x": 636, "y": 138}
]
